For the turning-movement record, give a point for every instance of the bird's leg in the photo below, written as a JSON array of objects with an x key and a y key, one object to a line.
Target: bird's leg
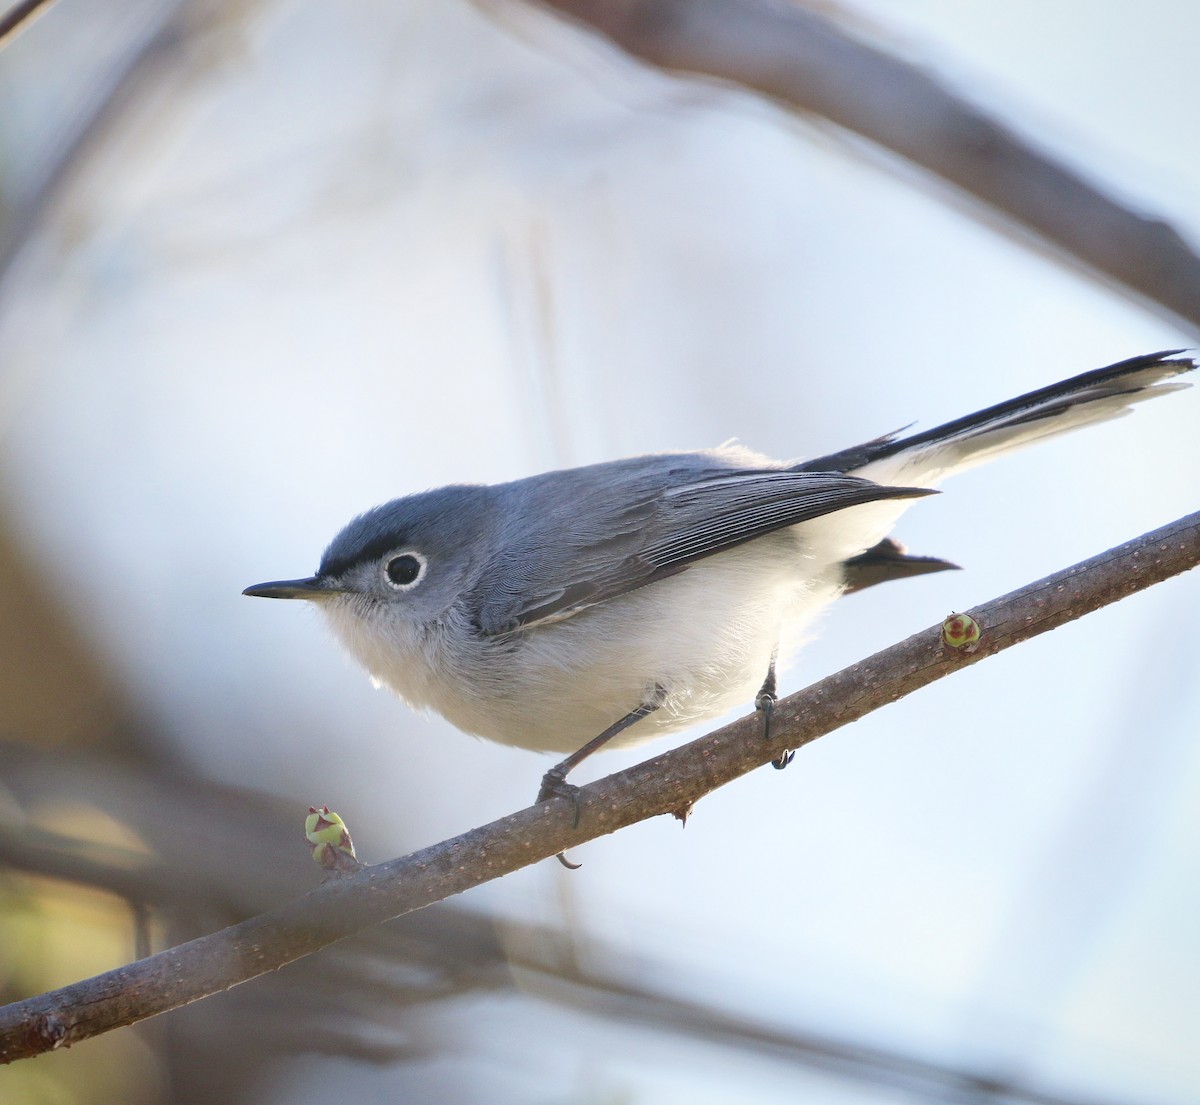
[
  {"x": 764, "y": 702},
  {"x": 554, "y": 782}
]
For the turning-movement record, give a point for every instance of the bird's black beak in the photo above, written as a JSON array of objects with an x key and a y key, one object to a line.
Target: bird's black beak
[{"x": 310, "y": 588}]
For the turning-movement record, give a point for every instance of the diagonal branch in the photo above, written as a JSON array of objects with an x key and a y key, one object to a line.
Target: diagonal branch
[
  {"x": 807, "y": 61},
  {"x": 666, "y": 784}
]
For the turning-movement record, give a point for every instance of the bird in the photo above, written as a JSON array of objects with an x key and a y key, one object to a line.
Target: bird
[{"x": 608, "y": 604}]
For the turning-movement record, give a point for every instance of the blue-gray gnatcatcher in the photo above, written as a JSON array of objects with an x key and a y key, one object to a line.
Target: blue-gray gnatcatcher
[{"x": 622, "y": 600}]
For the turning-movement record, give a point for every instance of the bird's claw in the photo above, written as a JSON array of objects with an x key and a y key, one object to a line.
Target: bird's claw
[{"x": 555, "y": 785}]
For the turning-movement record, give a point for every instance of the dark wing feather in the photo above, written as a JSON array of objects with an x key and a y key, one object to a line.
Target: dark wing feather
[{"x": 609, "y": 544}]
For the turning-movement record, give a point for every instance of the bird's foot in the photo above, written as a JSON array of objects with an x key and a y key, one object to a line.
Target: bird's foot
[{"x": 765, "y": 704}]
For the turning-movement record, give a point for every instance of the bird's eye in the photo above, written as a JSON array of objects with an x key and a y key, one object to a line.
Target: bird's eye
[{"x": 404, "y": 570}]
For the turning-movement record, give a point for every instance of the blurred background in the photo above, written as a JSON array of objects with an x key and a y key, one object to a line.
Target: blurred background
[{"x": 266, "y": 264}]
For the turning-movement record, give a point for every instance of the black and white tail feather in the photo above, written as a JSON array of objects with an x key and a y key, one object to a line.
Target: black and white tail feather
[{"x": 924, "y": 458}]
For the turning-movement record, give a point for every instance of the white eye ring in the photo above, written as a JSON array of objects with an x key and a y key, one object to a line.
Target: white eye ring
[{"x": 403, "y": 571}]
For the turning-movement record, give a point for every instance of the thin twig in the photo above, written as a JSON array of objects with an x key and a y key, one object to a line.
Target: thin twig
[
  {"x": 809, "y": 62},
  {"x": 666, "y": 784}
]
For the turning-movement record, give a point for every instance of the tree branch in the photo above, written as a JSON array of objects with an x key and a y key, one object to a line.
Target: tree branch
[
  {"x": 668, "y": 783},
  {"x": 808, "y": 62}
]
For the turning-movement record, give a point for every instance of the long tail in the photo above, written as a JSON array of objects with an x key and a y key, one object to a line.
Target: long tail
[{"x": 923, "y": 459}]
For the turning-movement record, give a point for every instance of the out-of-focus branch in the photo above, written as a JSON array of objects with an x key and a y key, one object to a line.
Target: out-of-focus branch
[
  {"x": 129, "y": 874},
  {"x": 156, "y": 39},
  {"x": 17, "y": 16},
  {"x": 669, "y": 783},
  {"x": 599, "y": 994},
  {"x": 808, "y": 62}
]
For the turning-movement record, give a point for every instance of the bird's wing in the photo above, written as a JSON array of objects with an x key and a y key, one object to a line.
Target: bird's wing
[{"x": 610, "y": 542}]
